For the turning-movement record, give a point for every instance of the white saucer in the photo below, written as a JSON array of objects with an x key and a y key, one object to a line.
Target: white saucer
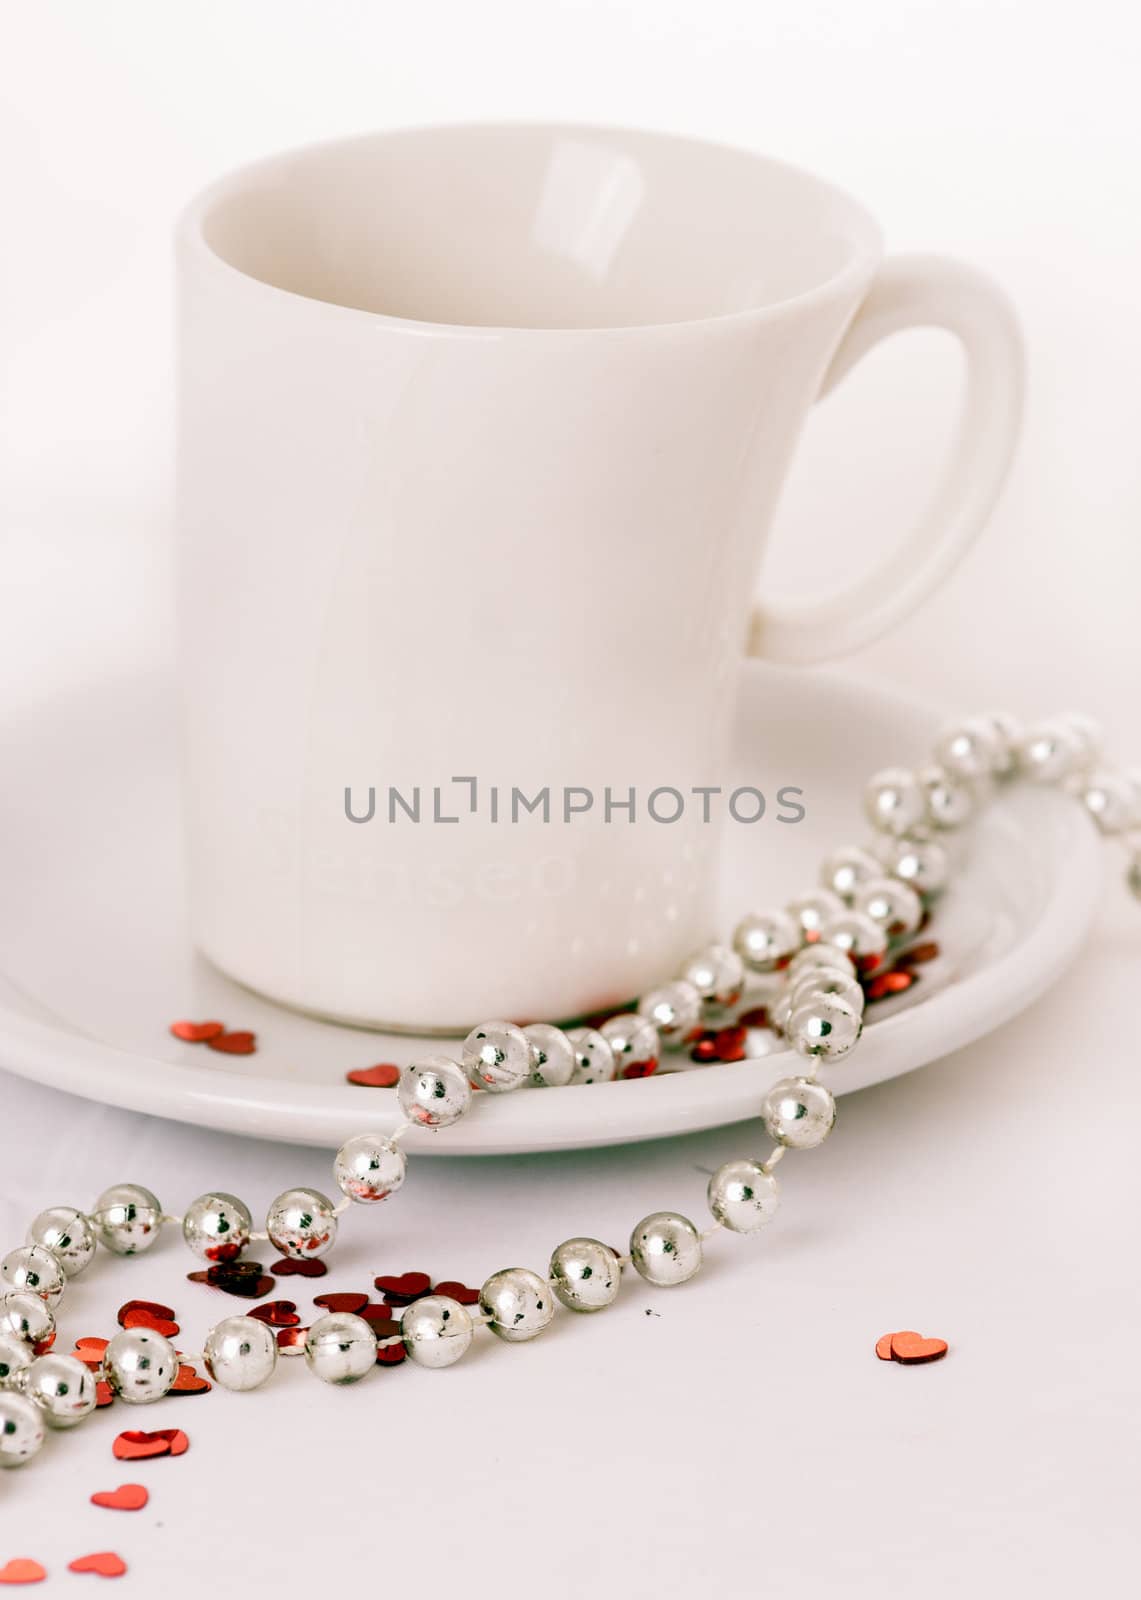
[{"x": 95, "y": 962}]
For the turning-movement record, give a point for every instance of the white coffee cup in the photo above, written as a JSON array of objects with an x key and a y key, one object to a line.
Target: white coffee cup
[{"x": 481, "y": 433}]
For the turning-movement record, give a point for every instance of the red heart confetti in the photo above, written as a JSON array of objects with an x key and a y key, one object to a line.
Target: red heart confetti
[
  {"x": 105, "y": 1562},
  {"x": 384, "y": 1076},
  {"x": 889, "y": 983},
  {"x": 197, "y": 1032},
  {"x": 240, "y": 1043},
  {"x": 730, "y": 1043},
  {"x": 246, "y": 1279},
  {"x": 883, "y": 1347},
  {"x": 381, "y": 1311},
  {"x": 287, "y": 1267},
  {"x": 757, "y": 1017},
  {"x": 154, "y": 1307},
  {"x": 291, "y": 1341},
  {"x": 405, "y": 1287},
  {"x": 127, "y": 1497},
  {"x": 277, "y": 1313},
  {"x": 189, "y": 1381},
  {"x": 22, "y": 1569},
  {"x": 139, "y": 1318},
  {"x": 139, "y": 1446},
  {"x": 919, "y": 953},
  {"x": 912, "y": 1349},
  {"x": 339, "y": 1302},
  {"x": 90, "y": 1351},
  {"x": 388, "y": 1355},
  {"x": 705, "y": 1049},
  {"x": 104, "y": 1394},
  {"x": 458, "y": 1291},
  {"x": 641, "y": 1069}
]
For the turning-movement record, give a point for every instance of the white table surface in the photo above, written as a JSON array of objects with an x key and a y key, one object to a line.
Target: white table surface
[{"x": 736, "y": 1436}]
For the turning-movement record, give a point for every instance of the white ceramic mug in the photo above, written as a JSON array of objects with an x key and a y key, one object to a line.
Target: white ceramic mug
[{"x": 481, "y": 433}]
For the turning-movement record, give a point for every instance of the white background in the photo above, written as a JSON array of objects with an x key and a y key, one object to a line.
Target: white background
[{"x": 744, "y": 1440}]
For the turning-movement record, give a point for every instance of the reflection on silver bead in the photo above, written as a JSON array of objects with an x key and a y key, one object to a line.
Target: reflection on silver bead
[
  {"x": 67, "y": 1233},
  {"x": 858, "y": 937},
  {"x": 340, "y": 1348},
  {"x": 666, "y": 1248},
  {"x": 240, "y": 1353},
  {"x": 217, "y": 1226},
  {"x": 893, "y": 800},
  {"x": 369, "y": 1167},
  {"x": 821, "y": 955},
  {"x": 845, "y": 869},
  {"x": 824, "y": 1028},
  {"x": 892, "y": 903},
  {"x": 140, "y": 1365},
  {"x": 1050, "y": 752},
  {"x": 949, "y": 801},
  {"x": 635, "y": 1044},
  {"x": 519, "y": 1303},
  {"x": 593, "y": 1057},
  {"x": 127, "y": 1219},
  {"x": 969, "y": 749},
  {"x": 30, "y": 1269},
  {"x": 15, "y": 1356},
  {"x": 496, "y": 1056},
  {"x": 437, "y": 1330},
  {"x": 552, "y": 1055},
  {"x": 799, "y": 1113},
  {"x": 1110, "y": 800},
  {"x": 674, "y": 1009},
  {"x": 21, "y": 1429},
  {"x": 812, "y": 910},
  {"x": 823, "y": 982},
  {"x": 717, "y": 973},
  {"x": 743, "y": 1196},
  {"x": 585, "y": 1275},
  {"x": 433, "y": 1093},
  {"x": 28, "y": 1318},
  {"x": 767, "y": 940},
  {"x": 302, "y": 1223},
  {"x": 62, "y": 1387},
  {"x": 921, "y": 863}
]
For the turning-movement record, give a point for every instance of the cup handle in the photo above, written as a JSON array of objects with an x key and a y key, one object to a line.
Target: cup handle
[{"x": 916, "y": 291}]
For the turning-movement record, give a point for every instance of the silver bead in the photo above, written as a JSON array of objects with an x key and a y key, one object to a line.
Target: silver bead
[
  {"x": 496, "y": 1056},
  {"x": 437, "y": 1330},
  {"x": 949, "y": 801},
  {"x": 1007, "y": 734},
  {"x": 845, "y": 869},
  {"x": 824, "y": 1028},
  {"x": 140, "y": 1365},
  {"x": 812, "y": 910},
  {"x": 1088, "y": 734},
  {"x": 717, "y": 973},
  {"x": 743, "y": 1196},
  {"x": 969, "y": 749},
  {"x": 823, "y": 982},
  {"x": 767, "y": 940},
  {"x": 920, "y": 863},
  {"x": 858, "y": 937},
  {"x": 518, "y": 1302},
  {"x": 62, "y": 1387},
  {"x": 217, "y": 1227},
  {"x": 799, "y": 1113},
  {"x": 302, "y": 1223},
  {"x": 15, "y": 1356},
  {"x": 369, "y": 1167},
  {"x": 30, "y": 1269},
  {"x": 552, "y": 1056},
  {"x": 1110, "y": 799},
  {"x": 127, "y": 1219},
  {"x": 674, "y": 1009},
  {"x": 892, "y": 903},
  {"x": 67, "y": 1233},
  {"x": 820, "y": 956},
  {"x": 433, "y": 1093},
  {"x": 28, "y": 1318},
  {"x": 593, "y": 1058},
  {"x": 1050, "y": 752},
  {"x": 340, "y": 1348},
  {"x": 780, "y": 1012},
  {"x": 585, "y": 1275},
  {"x": 240, "y": 1353},
  {"x": 893, "y": 800},
  {"x": 21, "y": 1429},
  {"x": 666, "y": 1248},
  {"x": 635, "y": 1044}
]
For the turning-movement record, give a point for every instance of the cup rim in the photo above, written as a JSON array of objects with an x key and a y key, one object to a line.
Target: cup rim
[{"x": 193, "y": 249}]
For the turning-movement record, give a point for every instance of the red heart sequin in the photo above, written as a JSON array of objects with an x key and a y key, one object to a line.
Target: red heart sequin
[
  {"x": 105, "y": 1562},
  {"x": 90, "y": 1351},
  {"x": 139, "y": 1446},
  {"x": 381, "y": 1311},
  {"x": 189, "y": 1381},
  {"x": 22, "y": 1570},
  {"x": 291, "y": 1339},
  {"x": 243, "y": 1278},
  {"x": 458, "y": 1291},
  {"x": 919, "y": 953},
  {"x": 384, "y": 1076},
  {"x": 137, "y": 1317},
  {"x": 405, "y": 1287},
  {"x": 287, "y": 1267},
  {"x": 912, "y": 1349},
  {"x": 240, "y": 1043},
  {"x": 104, "y": 1394},
  {"x": 154, "y": 1307},
  {"x": 127, "y": 1497},
  {"x": 757, "y": 1017},
  {"x": 705, "y": 1049},
  {"x": 277, "y": 1313},
  {"x": 641, "y": 1069},
  {"x": 341, "y": 1302},
  {"x": 388, "y": 1355},
  {"x": 197, "y": 1032},
  {"x": 730, "y": 1043},
  {"x": 889, "y": 983}
]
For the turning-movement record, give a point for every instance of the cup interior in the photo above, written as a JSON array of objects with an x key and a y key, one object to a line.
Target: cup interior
[{"x": 521, "y": 226}]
